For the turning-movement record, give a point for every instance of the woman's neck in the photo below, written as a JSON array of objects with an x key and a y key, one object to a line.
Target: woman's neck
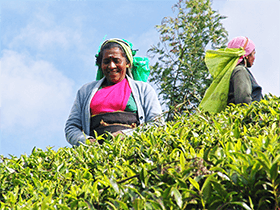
[{"x": 107, "y": 83}]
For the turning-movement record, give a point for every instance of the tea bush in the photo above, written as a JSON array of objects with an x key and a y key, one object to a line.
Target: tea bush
[{"x": 198, "y": 161}]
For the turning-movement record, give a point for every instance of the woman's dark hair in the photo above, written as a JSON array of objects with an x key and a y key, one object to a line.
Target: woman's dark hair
[
  {"x": 108, "y": 46},
  {"x": 242, "y": 62}
]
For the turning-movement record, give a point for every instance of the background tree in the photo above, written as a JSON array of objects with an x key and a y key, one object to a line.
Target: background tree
[{"x": 180, "y": 72}]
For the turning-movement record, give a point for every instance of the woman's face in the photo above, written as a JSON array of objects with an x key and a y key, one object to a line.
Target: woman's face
[
  {"x": 251, "y": 59},
  {"x": 114, "y": 65}
]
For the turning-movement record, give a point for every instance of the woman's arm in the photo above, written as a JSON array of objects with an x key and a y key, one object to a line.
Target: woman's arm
[
  {"x": 151, "y": 105},
  {"x": 73, "y": 126},
  {"x": 77, "y": 126}
]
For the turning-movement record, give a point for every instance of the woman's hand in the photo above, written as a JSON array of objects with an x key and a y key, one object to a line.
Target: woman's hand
[
  {"x": 115, "y": 134},
  {"x": 120, "y": 133},
  {"x": 91, "y": 139}
]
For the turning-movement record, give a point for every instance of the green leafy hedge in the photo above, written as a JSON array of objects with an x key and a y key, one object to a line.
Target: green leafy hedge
[{"x": 198, "y": 161}]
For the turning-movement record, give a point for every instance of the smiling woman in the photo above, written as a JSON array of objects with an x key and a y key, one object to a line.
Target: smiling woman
[
  {"x": 114, "y": 65},
  {"x": 117, "y": 102}
]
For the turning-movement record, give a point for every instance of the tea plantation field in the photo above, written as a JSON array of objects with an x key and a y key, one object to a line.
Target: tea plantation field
[{"x": 198, "y": 161}]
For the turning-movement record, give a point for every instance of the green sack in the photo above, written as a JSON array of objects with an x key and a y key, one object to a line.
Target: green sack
[
  {"x": 140, "y": 70},
  {"x": 220, "y": 64}
]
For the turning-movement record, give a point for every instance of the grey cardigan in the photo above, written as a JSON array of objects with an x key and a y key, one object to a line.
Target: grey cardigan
[{"x": 148, "y": 107}]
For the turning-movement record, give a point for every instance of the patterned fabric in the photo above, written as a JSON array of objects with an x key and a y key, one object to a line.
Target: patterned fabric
[{"x": 112, "y": 122}]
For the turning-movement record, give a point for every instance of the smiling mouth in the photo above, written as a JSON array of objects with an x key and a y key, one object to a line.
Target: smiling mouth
[{"x": 114, "y": 71}]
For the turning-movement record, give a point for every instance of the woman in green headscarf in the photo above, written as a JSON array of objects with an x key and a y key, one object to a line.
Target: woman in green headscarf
[{"x": 118, "y": 101}]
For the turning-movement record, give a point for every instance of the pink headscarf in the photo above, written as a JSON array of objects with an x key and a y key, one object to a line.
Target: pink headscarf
[{"x": 244, "y": 42}]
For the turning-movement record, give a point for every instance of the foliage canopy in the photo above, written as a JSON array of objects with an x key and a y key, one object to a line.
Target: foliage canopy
[
  {"x": 198, "y": 161},
  {"x": 180, "y": 72}
]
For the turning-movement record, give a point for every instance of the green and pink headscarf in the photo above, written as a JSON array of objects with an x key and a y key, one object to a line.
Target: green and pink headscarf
[{"x": 139, "y": 70}]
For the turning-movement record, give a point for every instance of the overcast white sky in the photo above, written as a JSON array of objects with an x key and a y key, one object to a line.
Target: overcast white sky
[{"x": 48, "y": 48}]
